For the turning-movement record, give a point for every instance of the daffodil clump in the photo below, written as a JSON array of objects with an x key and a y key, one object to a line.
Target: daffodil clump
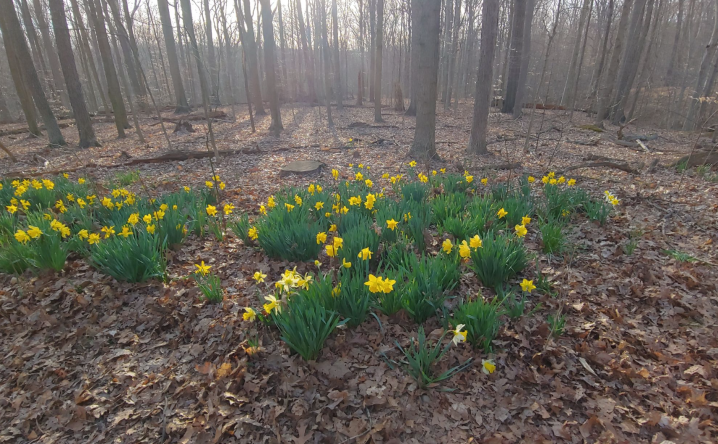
[
  {"x": 122, "y": 234},
  {"x": 209, "y": 284}
]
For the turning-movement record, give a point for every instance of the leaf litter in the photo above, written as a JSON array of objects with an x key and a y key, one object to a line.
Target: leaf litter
[{"x": 88, "y": 359}]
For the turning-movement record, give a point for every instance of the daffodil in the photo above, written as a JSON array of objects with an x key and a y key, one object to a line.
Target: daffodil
[
  {"x": 545, "y": 179},
  {"x": 370, "y": 200},
  {"x": 134, "y": 218},
  {"x": 126, "y": 232},
  {"x": 311, "y": 189},
  {"x": 151, "y": 228},
  {"x": 374, "y": 283},
  {"x": 228, "y": 208},
  {"x": 211, "y": 210},
  {"x": 422, "y": 178},
  {"x": 272, "y": 304},
  {"x": 346, "y": 264},
  {"x": 571, "y": 182},
  {"x": 109, "y": 231},
  {"x": 335, "y": 174},
  {"x": 270, "y": 202},
  {"x": 317, "y": 263},
  {"x": 525, "y": 220},
  {"x": 464, "y": 250},
  {"x": 249, "y": 314},
  {"x": 186, "y": 189},
  {"x": 475, "y": 242},
  {"x": 33, "y": 231},
  {"x": 561, "y": 179},
  {"x": 447, "y": 246},
  {"x": 12, "y": 209},
  {"x": 159, "y": 214},
  {"x": 502, "y": 213},
  {"x": 520, "y": 230},
  {"x": 93, "y": 239},
  {"x": 332, "y": 228},
  {"x": 321, "y": 237},
  {"x": 298, "y": 200},
  {"x": 527, "y": 285},
  {"x": 391, "y": 224},
  {"x": 369, "y": 183},
  {"x": 331, "y": 251},
  {"x": 434, "y": 173},
  {"x": 147, "y": 218},
  {"x": 82, "y": 234},
  {"x": 412, "y": 163},
  {"x": 319, "y": 205},
  {"x": 359, "y": 176},
  {"x": 488, "y": 366},
  {"x": 364, "y": 254},
  {"x": 338, "y": 242},
  {"x": 259, "y": 277},
  {"x": 459, "y": 335},
  {"x": 262, "y": 210},
  {"x": 469, "y": 179},
  {"x": 289, "y": 207},
  {"x": 202, "y": 268},
  {"x": 21, "y": 236},
  {"x": 80, "y": 180},
  {"x": 387, "y": 285},
  {"x": 252, "y": 233},
  {"x": 484, "y": 181},
  {"x": 531, "y": 179},
  {"x": 209, "y": 184}
]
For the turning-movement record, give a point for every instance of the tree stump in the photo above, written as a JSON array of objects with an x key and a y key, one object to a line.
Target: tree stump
[{"x": 301, "y": 167}]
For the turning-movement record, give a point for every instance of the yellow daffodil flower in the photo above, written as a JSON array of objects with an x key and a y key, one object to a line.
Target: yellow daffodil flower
[
  {"x": 502, "y": 213},
  {"x": 447, "y": 246},
  {"x": 525, "y": 220},
  {"x": 527, "y": 285},
  {"x": 202, "y": 268},
  {"x": 459, "y": 335},
  {"x": 252, "y": 233},
  {"x": 520, "y": 230},
  {"x": 391, "y": 224},
  {"x": 259, "y": 277},
  {"x": 488, "y": 366},
  {"x": 464, "y": 250},
  {"x": 364, "y": 254},
  {"x": 249, "y": 314},
  {"x": 475, "y": 242},
  {"x": 211, "y": 210},
  {"x": 321, "y": 237}
]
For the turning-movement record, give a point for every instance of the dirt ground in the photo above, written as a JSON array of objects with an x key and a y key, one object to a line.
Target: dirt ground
[{"x": 88, "y": 359}]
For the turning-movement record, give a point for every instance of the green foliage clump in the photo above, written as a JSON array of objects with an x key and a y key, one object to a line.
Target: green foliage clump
[
  {"x": 354, "y": 300},
  {"x": 421, "y": 358},
  {"x": 289, "y": 234},
  {"x": 481, "y": 320},
  {"x": 305, "y": 324},
  {"x": 552, "y": 236},
  {"x": 135, "y": 258},
  {"x": 448, "y": 205},
  {"x": 210, "y": 286},
  {"x": 501, "y": 257}
]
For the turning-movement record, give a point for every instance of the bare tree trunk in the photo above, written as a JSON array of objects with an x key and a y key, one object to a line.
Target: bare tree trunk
[
  {"x": 72, "y": 78},
  {"x": 671, "y": 74},
  {"x": 372, "y": 45},
  {"x": 253, "y": 61},
  {"x": 282, "y": 47},
  {"x": 378, "y": 62},
  {"x": 411, "y": 111},
  {"x": 13, "y": 36},
  {"x": 308, "y": 63},
  {"x": 631, "y": 58},
  {"x": 90, "y": 60},
  {"x": 537, "y": 93},
  {"x": 426, "y": 18},
  {"x": 360, "y": 77},
  {"x": 602, "y": 58},
  {"x": 21, "y": 89},
  {"x": 517, "y": 41},
  {"x": 269, "y": 65},
  {"x": 451, "y": 57},
  {"x": 211, "y": 59},
  {"x": 699, "y": 90},
  {"x": 320, "y": 20},
  {"x": 484, "y": 85},
  {"x": 568, "y": 92},
  {"x": 189, "y": 29},
  {"x": 242, "y": 37},
  {"x": 5, "y": 116},
  {"x": 181, "y": 104},
  {"x": 337, "y": 62},
  {"x": 525, "y": 59},
  {"x": 50, "y": 51},
  {"x": 574, "y": 87},
  {"x": 31, "y": 34},
  {"x": 136, "y": 84},
  {"x": 604, "y": 97}
]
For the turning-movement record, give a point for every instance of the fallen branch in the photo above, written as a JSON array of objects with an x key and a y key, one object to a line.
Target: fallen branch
[
  {"x": 618, "y": 166},
  {"x": 699, "y": 158},
  {"x": 24, "y": 129},
  {"x": 192, "y": 117},
  {"x": 10, "y": 155}
]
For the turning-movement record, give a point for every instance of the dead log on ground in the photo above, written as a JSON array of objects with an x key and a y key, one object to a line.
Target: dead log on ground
[
  {"x": 10, "y": 155},
  {"x": 618, "y": 166},
  {"x": 697, "y": 159}
]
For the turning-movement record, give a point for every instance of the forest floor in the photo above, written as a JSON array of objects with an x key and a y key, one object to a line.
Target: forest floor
[{"x": 88, "y": 359}]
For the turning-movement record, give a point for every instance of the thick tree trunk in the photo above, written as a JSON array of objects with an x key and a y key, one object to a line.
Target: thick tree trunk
[
  {"x": 22, "y": 90},
  {"x": 568, "y": 92},
  {"x": 426, "y": 17},
  {"x": 525, "y": 59},
  {"x": 414, "y": 55},
  {"x": 700, "y": 88},
  {"x": 378, "y": 62},
  {"x": 451, "y": 59},
  {"x": 113, "y": 83},
  {"x": 372, "y": 45},
  {"x": 182, "y": 106},
  {"x": 337, "y": 65},
  {"x": 604, "y": 97},
  {"x": 270, "y": 62},
  {"x": 72, "y": 78},
  {"x": 203, "y": 84},
  {"x": 675, "y": 50},
  {"x": 252, "y": 61},
  {"x": 360, "y": 76},
  {"x": 50, "y": 52},
  {"x": 602, "y": 57},
  {"x": 37, "y": 57},
  {"x": 242, "y": 37},
  {"x": 446, "y": 51},
  {"x": 138, "y": 88},
  {"x": 631, "y": 58},
  {"x": 13, "y": 36},
  {"x": 320, "y": 22},
  {"x": 5, "y": 116},
  {"x": 484, "y": 86},
  {"x": 517, "y": 42},
  {"x": 211, "y": 58}
]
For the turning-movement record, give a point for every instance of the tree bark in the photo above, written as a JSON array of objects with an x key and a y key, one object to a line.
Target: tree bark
[
  {"x": 517, "y": 41},
  {"x": 72, "y": 78},
  {"x": 484, "y": 85},
  {"x": 252, "y": 61},
  {"x": 631, "y": 58},
  {"x": 337, "y": 65},
  {"x": 671, "y": 74},
  {"x": 37, "y": 57},
  {"x": 360, "y": 76},
  {"x": 21, "y": 89},
  {"x": 414, "y": 55},
  {"x": 181, "y": 106},
  {"x": 427, "y": 19},
  {"x": 113, "y": 83},
  {"x": 699, "y": 90},
  {"x": 602, "y": 57},
  {"x": 567, "y": 97},
  {"x": 604, "y": 97},
  {"x": 242, "y": 37},
  {"x": 13, "y": 36},
  {"x": 525, "y": 59},
  {"x": 372, "y": 45},
  {"x": 378, "y": 62},
  {"x": 133, "y": 74},
  {"x": 211, "y": 58},
  {"x": 270, "y": 67},
  {"x": 50, "y": 51}
]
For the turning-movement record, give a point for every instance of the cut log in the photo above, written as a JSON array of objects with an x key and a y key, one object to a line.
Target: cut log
[{"x": 301, "y": 167}]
